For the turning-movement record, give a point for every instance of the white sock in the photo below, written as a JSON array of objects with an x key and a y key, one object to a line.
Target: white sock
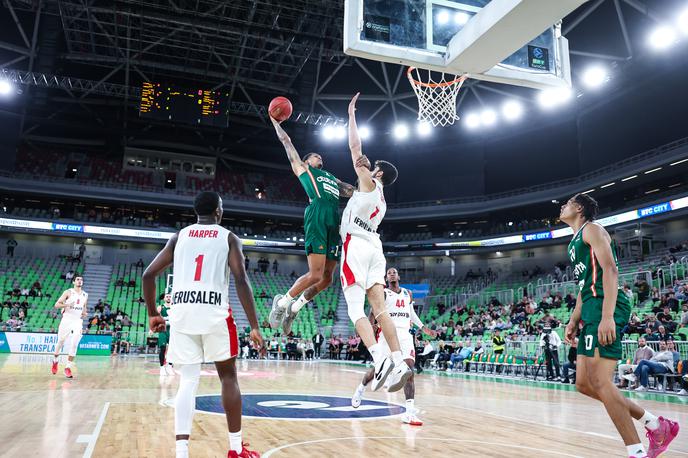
[
  {"x": 182, "y": 448},
  {"x": 375, "y": 353},
  {"x": 361, "y": 388},
  {"x": 649, "y": 421},
  {"x": 56, "y": 359},
  {"x": 300, "y": 302},
  {"x": 235, "y": 441},
  {"x": 397, "y": 358},
  {"x": 69, "y": 364},
  {"x": 410, "y": 409},
  {"x": 285, "y": 301},
  {"x": 636, "y": 450}
]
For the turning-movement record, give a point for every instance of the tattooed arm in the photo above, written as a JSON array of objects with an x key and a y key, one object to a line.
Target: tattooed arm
[{"x": 297, "y": 165}]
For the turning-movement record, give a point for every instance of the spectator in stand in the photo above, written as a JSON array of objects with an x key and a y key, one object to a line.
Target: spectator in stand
[
  {"x": 69, "y": 276},
  {"x": 666, "y": 318},
  {"x": 570, "y": 364},
  {"x": 82, "y": 251},
  {"x": 661, "y": 362},
  {"x": 24, "y": 291},
  {"x": 642, "y": 352},
  {"x": 247, "y": 262},
  {"x": 353, "y": 350},
  {"x": 301, "y": 349},
  {"x": 477, "y": 350},
  {"x": 672, "y": 302},
  {"x": 140, "y": 264},
  {"x": 275, "y": 267},
  {"x": 292, "y": 349},
  {"x": 11, "y": 245},
  {"x": 684, "y": 316},
  {"x": 663, "y": 335},
  {"x": 309, "y": 349},
  {"x": 335, "y": 346},
  {"x": 318, "y": 340},
  {"x": 643, "y": 289},
  {"x": 428, "y": 353},
  {"x": 463, "y": 352}
]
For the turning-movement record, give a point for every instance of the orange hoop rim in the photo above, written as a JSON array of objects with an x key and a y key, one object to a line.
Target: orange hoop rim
[{"x": 459, "y": 79}]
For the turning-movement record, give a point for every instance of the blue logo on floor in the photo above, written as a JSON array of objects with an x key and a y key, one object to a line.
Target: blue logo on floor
[{"x": 301, "y": 406}]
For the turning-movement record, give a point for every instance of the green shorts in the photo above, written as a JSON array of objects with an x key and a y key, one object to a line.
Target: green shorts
[
  {"x": 587, "y": 342},
  {"x": 591, "y": 316},
  {"x": 321, "y": 226},
  {"x": 163, "y": 338}
]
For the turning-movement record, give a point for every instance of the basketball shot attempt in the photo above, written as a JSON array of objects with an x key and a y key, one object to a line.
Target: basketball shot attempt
[
  {"x": 320, "y": 222},
  {"x": 73, "y": 304},
  {"x": 201, "y": 321},
  {"x": 603, "y": 312},
  {"x": 362, "y": 270},
  {"x": 399, "y": 304}
]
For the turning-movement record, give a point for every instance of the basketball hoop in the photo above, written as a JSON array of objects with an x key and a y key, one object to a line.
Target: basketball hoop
[{"x": 436, "y": 99}]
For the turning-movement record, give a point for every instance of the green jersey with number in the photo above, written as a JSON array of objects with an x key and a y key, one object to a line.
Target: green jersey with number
[
  {"x": 589, "y": 274},
  {"x": 320, "y": 186}
]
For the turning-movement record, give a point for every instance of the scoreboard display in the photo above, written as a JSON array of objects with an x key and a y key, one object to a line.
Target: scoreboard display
[{"x": 199, "y": 107}]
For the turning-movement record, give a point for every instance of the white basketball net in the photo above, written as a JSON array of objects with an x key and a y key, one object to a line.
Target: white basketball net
[{"x": 436, "y": 99}]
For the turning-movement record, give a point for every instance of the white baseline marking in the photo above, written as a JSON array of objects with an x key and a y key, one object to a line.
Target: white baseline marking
[
  {"x": 269, "y": 453},
  {"x": 96, "y": 432}
]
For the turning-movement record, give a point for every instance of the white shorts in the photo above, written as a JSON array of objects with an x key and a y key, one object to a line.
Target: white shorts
[
  {"x": 408, "y": 349},
  {"x": 220, "y": 344},
  {"x": 363, "y": 263},
  {"x": 71, "y": 330}
]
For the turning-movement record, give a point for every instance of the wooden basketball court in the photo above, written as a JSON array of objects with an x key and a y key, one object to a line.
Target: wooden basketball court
[{"x": 119, "y": 407}]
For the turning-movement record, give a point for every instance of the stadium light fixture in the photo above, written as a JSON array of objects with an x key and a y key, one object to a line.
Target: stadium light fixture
[
  {"x": 488, "y": 117},
  {"x": 629, "y": 178},
  {"x": 461, "y": 18},
  {"x": 443, "y": 17},
  {"x": 5, "y": 87},
  {"x": 511, "y": 223},
  {"x": 662, "y": 37},
  {"x": 328, "y": 133},
  {"x": 683, "y": 21},
  {"x": 653, "y": 170},
  {"x": 608, "y": 185},
  {"x": 594, "y": 77},
  {"x": 424, "y": 129},
  {"x": 401, "y": 131},
  {"x": 679, "y": 162},
  {"x": 364, "y": 132},
  {"x": 512, "y": 110},
  {"x": 554, "y": 97},
  {"x": 588, "y": 191},
  {"x": 651, "y": 191},
  {"x": 339, "y": 132},
  {"x": 472, "y": 120}
]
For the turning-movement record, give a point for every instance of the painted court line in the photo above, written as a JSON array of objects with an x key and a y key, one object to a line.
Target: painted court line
[
  {"x": 271, "y": 452},
  {"x": 96, "y": 432}
]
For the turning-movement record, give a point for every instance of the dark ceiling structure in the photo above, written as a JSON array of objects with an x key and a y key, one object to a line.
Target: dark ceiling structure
[{"x": 80, "y": 65}]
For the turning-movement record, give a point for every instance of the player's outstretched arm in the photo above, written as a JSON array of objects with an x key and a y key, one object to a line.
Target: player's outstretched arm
[
  {"x": 297, "y": 165},
  {"x": 161, "y": 262},
  {"x": 60, "y": 304},
  {"x": 345, "y": 189},
  {"x": 243, "y": 287},
  {"x": 598, "y": 239},
  {"x": 362, "y": 168}
]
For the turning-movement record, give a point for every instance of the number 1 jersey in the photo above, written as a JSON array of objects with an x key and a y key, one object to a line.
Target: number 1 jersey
[{"x": 200, "y": 283}]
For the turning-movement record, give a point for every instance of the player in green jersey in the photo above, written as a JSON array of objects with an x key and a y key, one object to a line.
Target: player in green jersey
[
  {"x": 164, "y": 337},
  {"x": 601, "y": 312},
  {"x": 321, "y": 226}
]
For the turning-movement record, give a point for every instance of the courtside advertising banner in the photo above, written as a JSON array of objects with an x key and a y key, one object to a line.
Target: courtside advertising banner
[{"x": 36, "y": 342}]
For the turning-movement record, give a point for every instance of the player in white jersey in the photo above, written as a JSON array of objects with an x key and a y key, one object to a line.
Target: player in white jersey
[
  {"x": 399, "y": 303},
  {"x": 73, "y": 304},
  {"x": 201, "y": 322},
  {"x": 363, "y": 263}
]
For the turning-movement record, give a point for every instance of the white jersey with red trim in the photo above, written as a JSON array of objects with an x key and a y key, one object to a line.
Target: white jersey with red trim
[
  {"x": 364, "y": 213},
  {"x": 200, "y": 288},
  {"x": 399, "y": 307},
  {"x": 75, "y": 305}
]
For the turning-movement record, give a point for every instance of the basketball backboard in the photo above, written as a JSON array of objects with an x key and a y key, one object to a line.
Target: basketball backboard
[{"x": 515, "y": 42}]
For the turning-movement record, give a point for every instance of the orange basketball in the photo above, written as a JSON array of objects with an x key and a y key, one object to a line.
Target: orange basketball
[{"x": 280, "y": 108}]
